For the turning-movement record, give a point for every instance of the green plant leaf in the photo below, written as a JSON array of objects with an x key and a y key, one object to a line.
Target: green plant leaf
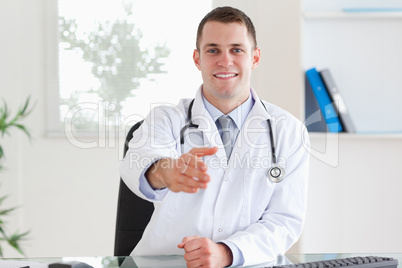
[
  {"x": 15, "y": 239},
  {"x": 5, "y": 212},
  {"x": 3, "y": 118},
  {"x": 2, "y": 199},
  {"x": 14, "y": 122},
  {"x": 3, "y": 232},
  {"x": 25, "y": 107},
  {"x": 5, "y": 124},
  {"x": 1, "y": 152},
  {"x": 23, "y": 111},
  {"x": 23, "y": 128}
]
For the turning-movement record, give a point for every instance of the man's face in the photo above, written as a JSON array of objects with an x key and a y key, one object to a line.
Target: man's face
[{"x": 226, "y": 58}]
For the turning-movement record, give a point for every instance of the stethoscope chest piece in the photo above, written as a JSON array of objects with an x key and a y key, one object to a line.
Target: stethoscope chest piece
[{"x": 276, "y": 174}]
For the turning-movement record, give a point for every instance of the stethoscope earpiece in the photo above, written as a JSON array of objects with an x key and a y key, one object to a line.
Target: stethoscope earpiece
[{"x": 276, "y": 174}]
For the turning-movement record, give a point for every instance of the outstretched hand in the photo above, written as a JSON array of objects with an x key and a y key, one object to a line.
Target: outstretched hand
[{"x": 188, "y": 173}]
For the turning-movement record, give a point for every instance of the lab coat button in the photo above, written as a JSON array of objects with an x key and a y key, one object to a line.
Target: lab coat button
[
  {"x": 220, "y": 230},
  {"x": 226, "y": 178}
]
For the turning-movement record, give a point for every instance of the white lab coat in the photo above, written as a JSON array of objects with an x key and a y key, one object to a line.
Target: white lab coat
[{"x": 240, "y": 204}]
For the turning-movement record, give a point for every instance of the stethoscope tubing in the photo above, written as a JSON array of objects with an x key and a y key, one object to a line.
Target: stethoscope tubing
[{"x": 275, "y": 173}]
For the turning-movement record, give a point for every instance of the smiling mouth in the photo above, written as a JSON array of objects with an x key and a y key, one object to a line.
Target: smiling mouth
[{"x": 225, "y": 75}]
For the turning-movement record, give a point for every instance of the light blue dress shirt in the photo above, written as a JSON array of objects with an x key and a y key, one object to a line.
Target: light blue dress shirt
[{"x": 238, "y": 116}]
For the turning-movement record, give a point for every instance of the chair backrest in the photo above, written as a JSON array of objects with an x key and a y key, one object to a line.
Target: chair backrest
[{"x": 133, "y": 213}]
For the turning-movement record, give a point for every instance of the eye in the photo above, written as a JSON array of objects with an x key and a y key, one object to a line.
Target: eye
[
  {"x": 237, "y": 50},
  {"x": 212, "y": 51}
]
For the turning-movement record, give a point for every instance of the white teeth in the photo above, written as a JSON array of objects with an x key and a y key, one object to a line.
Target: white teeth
[{"x": 225, "y": 75}]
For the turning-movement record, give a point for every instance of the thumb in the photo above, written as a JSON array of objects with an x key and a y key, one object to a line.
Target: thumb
[{"x": 186, "y": 240}]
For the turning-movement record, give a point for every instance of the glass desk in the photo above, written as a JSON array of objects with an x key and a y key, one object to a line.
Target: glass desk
[{"x": 174, "y": 261}]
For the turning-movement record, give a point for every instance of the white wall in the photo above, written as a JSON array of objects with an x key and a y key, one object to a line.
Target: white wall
[
  {"x": 279, "y": 77},
  {"x": 68, "y": 195},
  {"x": 355, "y": 195}
]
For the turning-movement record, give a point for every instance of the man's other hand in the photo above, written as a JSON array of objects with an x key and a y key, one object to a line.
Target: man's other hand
[{"x": 201, "y": 251}]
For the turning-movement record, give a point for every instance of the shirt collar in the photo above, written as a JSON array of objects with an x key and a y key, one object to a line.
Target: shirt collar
[{"x": 238, "y": 115}]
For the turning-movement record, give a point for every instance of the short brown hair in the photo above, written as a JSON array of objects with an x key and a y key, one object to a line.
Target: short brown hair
[{"x": 227, "y": 15}]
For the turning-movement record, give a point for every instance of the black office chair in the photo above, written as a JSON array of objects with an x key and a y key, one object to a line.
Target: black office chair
[{"x": 133, "y": 213}]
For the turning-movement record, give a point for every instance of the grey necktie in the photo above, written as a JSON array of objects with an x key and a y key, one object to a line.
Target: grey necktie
[{"x": 226, "y": 133}]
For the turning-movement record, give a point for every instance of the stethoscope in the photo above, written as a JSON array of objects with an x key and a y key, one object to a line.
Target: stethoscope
[{"x": 275, "y": 173}]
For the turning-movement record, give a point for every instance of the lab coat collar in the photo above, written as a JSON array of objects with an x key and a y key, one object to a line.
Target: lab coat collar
[
  {"x": 199, "y": 110},
  {"x": 238, "y": 115},
  {"x": 200, "y": 115},
  {"x": 258, "y": 108},
  {"x": 206, "y": 124},
  {"x": 256, "y": 119}
]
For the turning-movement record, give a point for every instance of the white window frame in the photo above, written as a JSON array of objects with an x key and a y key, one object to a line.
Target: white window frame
[{"x": 53, "y": 128}]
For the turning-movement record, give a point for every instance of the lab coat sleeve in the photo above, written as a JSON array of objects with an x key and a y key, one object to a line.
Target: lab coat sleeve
[
  {"x": 147, "y": 190},
  {"x": 156, "y": 138},
  {"x": 281, "y": 224},
  {"x": 236, "y": 253}
]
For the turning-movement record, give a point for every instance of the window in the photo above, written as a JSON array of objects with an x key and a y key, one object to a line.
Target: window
[{"x": 117, "y": 59}]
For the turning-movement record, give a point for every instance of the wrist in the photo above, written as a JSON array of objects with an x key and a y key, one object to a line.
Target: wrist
[
  {"x": 154, "y": 176},
  {"x": 227, "y": 255}
]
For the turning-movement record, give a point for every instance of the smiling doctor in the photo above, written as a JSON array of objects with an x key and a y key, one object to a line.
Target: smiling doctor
[{"x": 215, "y": 200}]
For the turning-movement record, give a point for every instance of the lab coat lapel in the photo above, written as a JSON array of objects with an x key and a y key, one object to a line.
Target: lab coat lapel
[
  {"x": 254, "y": 126},
  {"x": 207, "y": 126}
]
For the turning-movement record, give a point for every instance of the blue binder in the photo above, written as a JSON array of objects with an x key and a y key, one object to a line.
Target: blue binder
[
  {"x": 314, "y": 122},
  {"x": 338, "y": 101},
  {"x": 324, "y": 101}
]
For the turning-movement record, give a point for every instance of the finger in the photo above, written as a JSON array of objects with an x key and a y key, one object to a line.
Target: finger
[
  {"x": 194, "y": 245},
  {"x": 188, "y": 184},
  {"x": 192, "y": 257},
  {"x": 193, "y": 160},
  {"x": 194, "y": 263},
  {"x": 194, "y": 177},
  {"x": 180, "y": 187},
  {"x": 187, "y": 239},
  {"x": 187, "y": 189},
  {"x": 204, "y": 151}
]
